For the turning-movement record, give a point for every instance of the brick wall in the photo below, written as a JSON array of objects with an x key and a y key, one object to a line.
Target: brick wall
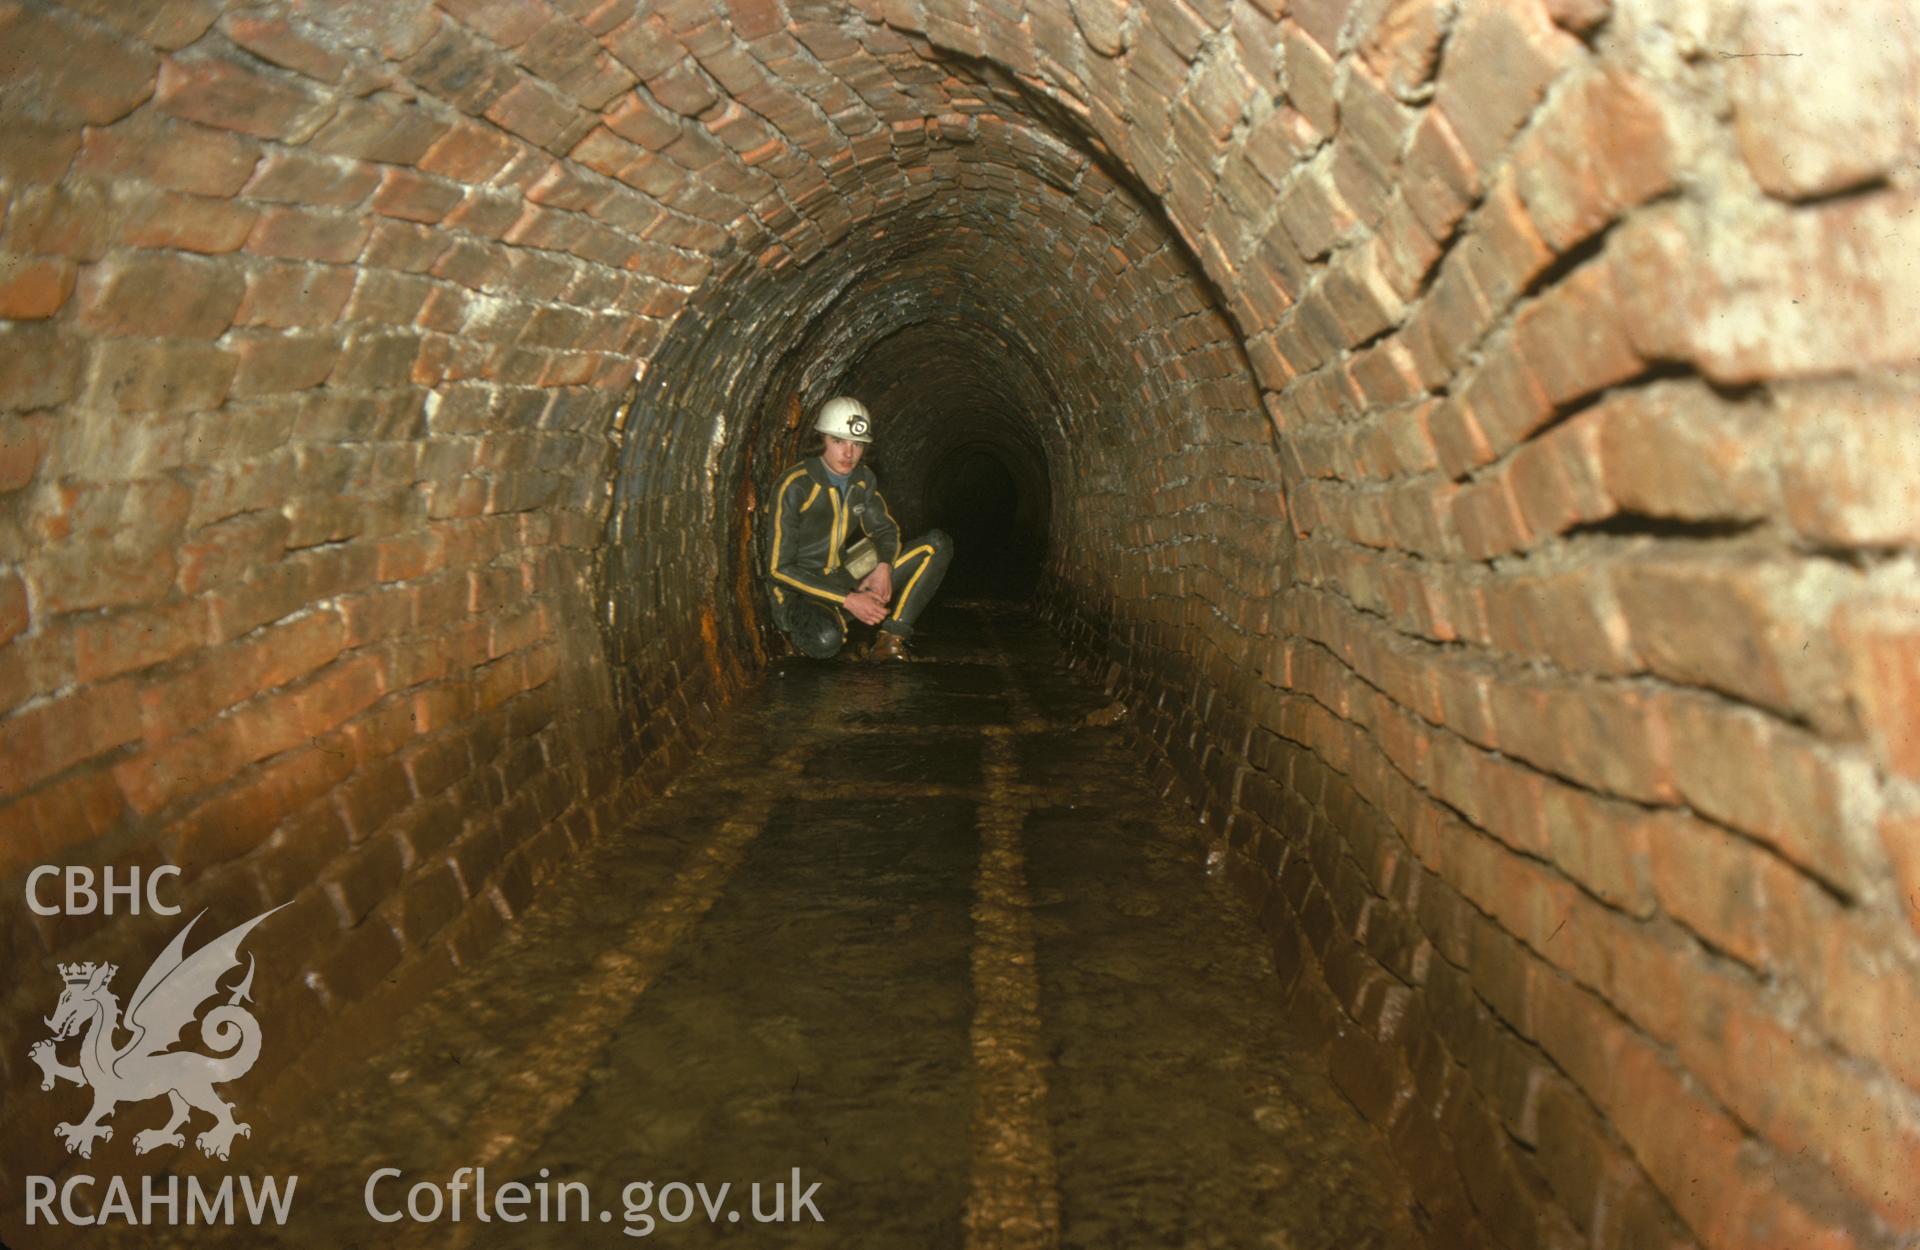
[
  {"x": 1476, "y": 435},
  {"x": 1566, "y": 761}
]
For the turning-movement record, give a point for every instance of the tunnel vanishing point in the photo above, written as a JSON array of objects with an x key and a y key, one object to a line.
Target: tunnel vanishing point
[{"x": 1478, "y": 441}]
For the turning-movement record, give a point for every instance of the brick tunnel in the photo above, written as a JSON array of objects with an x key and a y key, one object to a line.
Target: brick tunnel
[{"x": 1435, "y": 485}]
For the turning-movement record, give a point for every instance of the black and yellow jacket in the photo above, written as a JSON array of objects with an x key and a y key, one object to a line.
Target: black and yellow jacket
[{"x": 811, "y": 522}]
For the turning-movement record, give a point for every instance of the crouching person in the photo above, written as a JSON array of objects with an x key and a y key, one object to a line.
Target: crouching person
[{"x": 818, "y": 577}]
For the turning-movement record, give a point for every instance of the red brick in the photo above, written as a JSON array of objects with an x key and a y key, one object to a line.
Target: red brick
[
  {"x": 393, "y": 31},
  {"x": 446, "y": 309},
  {"x": 1568, "y": 616},
  {"x": 225, "y": 677},
  {"x": 1579, "y": 16},
  {"x": 1499, "y": 63},
  {"x": 1363, "y": 305},
  {"x": 562, "y": 186},
  {"x": 72, "y": 70},
  {"x": 37, "y": 152},
  {"x": 1788, "y": 115},
  {"x": 486, "y": 213},
  {"x": 1771, "y": 781},
  {"x": 1487, "y": 520},
  {"x": 157, "y": 295},
  {"x": 569, "y": 369},
  {"x": 286, "y": 44},
  {"x": 1678, "y": 1137},
  {"x": 1879, "y": 638},
  {"x": 174, "y": 154},
  {"x": 49, "y": 825},
  {"x": 228, "y": 549},
  {"x": 1383, "y": 376},
  {"x": 1459, "y": 441},
  {"x": 1505, "y": 401},
  {"x": 405, "y": 246},
  {"x": 242, "y": 818},
  {"x": 407, "y": 557},
  {"x": 1455, "y": 313},
  {"x": 377, "y": 132},
  {"x": 644, "y": 44},
  {"x": 505, "y": 22},
  {"x": 1900, "y": 837},
  {"x": 1847, "y": 459},
  {"x": 266, "y": 480},
  {"x": 414, "y": 197},
  {"x": 1838, "y": 951},
  {"x": 540, "y": 115},
  {"x": 288, "y": 295},
  {"x": 189, "y": 223},
  {"x": 1573, "y": 339},
  {"x": 469, "y": 152},
  {"x": 98, "y": 511},
  {"x": 72, "y": 579},
  {"x": 1556, "y": 479},
  {"x": 381, "y": 613},
  {"x": 142, "y": 375},
  {"x": 163, "y": 24},
  {"x": 34, "y": 287},
  {"x": 565, "y": 54},
  {"x": 391, "y": 298},
  {"x": 1219, "y": 92},
  {"x": 13, "y": 607},
  {"x": 33, "y": 665},
  {"x": 1740, "y": 624},
  {"x": 343, "y": 691},
  {"x": 300, "y": 234},
  {"x": 1631, "y": 144},
  {"x": 270, "y": 594},
  {"x": 1310, "y": 80},
  {"x": 74, "y": 219},
  {"x": 1505, "y": 252},
  {"x": 460, "y": 67},
  {"x": 49, "y": 738},
  {"x": 311, "y": 181},
  {"x": 121, "y": 642},
  {"x": 1607, "y": 736},
  {"x": 1716, "y": 884},
  {"x": 370, "y": 360},
  {"x": 1403, "y": 48},
  {"x": 275, "y": 363},
  {"x": 1810, "y": 1103},
  {"x": 1599, "y": 149},
  {"x": 227, "y": 96},
  {"x": 1679, "y": 450},
  {"x": 479, "y": 267},
  {"x": 1816, "y": 291}
]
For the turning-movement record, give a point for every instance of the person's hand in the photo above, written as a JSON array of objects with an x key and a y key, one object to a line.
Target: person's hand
[
  {"x": 879, "y": 583},
  {"x": 866, "y": 607}
]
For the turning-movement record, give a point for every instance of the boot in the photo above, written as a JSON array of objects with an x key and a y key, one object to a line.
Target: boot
[{"x": 888, "y": 646}]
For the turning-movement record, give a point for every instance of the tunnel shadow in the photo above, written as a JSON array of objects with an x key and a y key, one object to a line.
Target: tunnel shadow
[{"x": 998, "y": 528}]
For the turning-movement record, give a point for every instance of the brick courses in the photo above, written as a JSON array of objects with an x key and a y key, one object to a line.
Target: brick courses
[{"x": 1485, "y": 467}]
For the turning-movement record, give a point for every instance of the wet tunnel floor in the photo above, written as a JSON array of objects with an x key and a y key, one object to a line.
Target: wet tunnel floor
[{"x": 918, "y": 934}]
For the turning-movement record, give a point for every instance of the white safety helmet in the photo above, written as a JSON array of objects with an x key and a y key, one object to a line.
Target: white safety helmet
[{"x": 845, "y": 417}]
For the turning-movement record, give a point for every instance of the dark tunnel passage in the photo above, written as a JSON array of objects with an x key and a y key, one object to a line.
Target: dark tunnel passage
[
  {"x": 1417, "y": 743},
  {"x": 999, "y": 530}
]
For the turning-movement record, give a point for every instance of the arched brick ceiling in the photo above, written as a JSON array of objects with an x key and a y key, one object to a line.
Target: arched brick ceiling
[{"x": 1479, "y": 444}]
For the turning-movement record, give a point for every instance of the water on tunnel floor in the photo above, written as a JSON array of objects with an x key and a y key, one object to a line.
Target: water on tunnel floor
[{"x": 912, "y": 943}]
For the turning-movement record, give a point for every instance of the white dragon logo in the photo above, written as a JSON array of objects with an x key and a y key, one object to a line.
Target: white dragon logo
[{"x": 164, "y": 1003}]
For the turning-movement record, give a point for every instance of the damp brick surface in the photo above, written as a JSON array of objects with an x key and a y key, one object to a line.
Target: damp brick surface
[{"x": 1474, "y": 437}]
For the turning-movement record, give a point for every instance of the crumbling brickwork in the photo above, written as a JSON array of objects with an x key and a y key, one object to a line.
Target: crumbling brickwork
[
  {"x": 1477, "y": 435},
  {"x": 1567, "y": 760}
]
